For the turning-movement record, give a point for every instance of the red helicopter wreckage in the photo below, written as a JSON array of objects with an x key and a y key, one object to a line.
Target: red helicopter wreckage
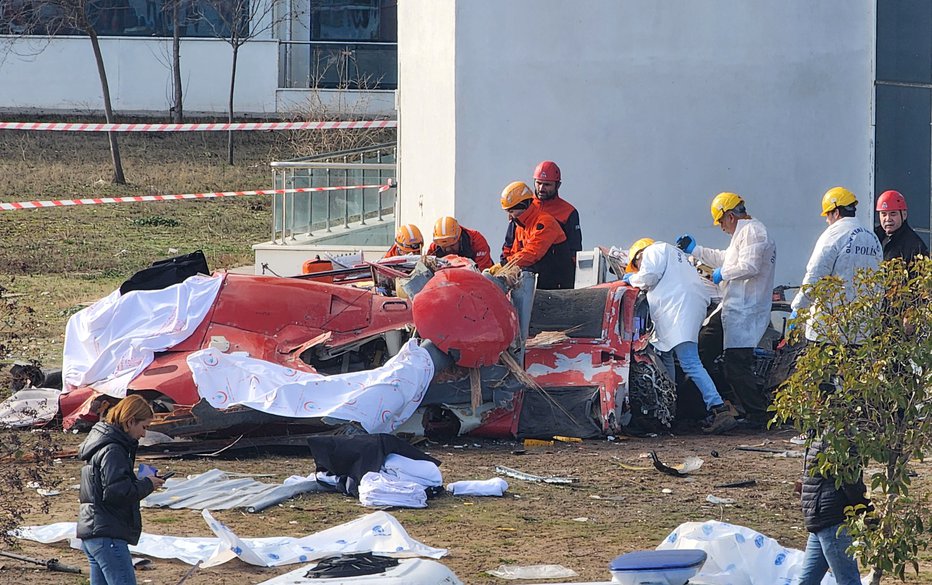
[{"x": 505, "y": 360}]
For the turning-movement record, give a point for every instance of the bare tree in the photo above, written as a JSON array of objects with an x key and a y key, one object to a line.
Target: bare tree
[
  {"x": 238, "y": 22},
  {"x": 52, "y": 17},
  {"x": 177, "y": 98}
]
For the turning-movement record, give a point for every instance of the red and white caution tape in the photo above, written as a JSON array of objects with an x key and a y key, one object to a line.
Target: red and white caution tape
[
  {"x": 140, "y": 198},
  {"x": 76, "y": 127}
]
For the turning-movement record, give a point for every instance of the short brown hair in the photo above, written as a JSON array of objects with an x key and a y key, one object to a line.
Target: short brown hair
[{"x": 131, "y": 409}]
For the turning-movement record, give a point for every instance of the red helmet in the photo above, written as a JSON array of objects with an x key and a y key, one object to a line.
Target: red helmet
[
  {"x": 547, "y": 171},
  {"x": 891, "y": 201}
]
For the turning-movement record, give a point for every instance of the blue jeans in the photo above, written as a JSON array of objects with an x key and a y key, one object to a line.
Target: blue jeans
[
  {"x": 111, "y": 563},
  {"x": 826, "y": 550},
  {"x": 688, "y": 355}
]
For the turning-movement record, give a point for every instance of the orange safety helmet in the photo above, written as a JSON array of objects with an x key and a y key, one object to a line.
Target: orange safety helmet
[
  {"x": 515, "y": 193},
  {"x": 891, "y": 201},
  {"x": 547, "y": 171},
  {"x": 447, "y": 232},
  {"x": 408, "y": 238}
]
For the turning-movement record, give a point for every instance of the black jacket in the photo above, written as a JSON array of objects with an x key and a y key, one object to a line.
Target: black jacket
[
  {"x": 351, "y": 457},
  {"x": 823, "y": 503},
  {"x": 903, "y": 243},
  {"x": 110, "y": 492}
]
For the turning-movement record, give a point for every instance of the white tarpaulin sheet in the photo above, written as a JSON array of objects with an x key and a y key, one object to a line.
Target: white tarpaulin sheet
[
  {"x": 738, "y": 555},
  {"x": 29, "y": 407},
  {"x": 378, "y": 532},
  {"x": 380, "y": 400},
  {"x": 112, "y": 341}
]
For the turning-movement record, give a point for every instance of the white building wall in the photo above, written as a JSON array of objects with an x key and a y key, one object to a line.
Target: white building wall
[
  {"x": 62, "y": 75},
  {"x": 650, "y": 107},
  {"x": 427, "y": 117}
]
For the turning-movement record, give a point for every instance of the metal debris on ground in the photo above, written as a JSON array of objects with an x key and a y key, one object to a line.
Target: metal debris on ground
[
  {"x": 738, "y": 484},
  {"x": 688, "y": 465},
  {"x": 50, "y": 564},
  {"x": 214, "y": 490},
  {"x": 719, "y": 501},
  {"x": 514, "y": 473}
]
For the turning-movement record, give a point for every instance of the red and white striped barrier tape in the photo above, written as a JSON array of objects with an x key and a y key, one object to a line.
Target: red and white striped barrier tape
[
  {"x": 77, "y": 127},
  {"x": 139, "y": 198}
]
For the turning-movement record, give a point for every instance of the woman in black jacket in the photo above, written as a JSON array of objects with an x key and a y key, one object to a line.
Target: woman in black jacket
[
  {"x": 109, "y": 519},
  {"x": 824, "y": 511}
]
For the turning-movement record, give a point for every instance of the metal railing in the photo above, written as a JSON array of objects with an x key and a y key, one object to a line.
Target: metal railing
[
  {"x": 338, "y": 65},
  {"x": 321, "y": 212}
]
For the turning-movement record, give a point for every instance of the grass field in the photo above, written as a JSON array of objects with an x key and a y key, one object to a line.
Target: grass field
[{"x": 54, "y": 261}]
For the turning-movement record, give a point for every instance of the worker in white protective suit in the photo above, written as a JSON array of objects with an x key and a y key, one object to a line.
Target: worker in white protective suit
[
  {"x": 744, "y": 271},
  {"x": 678, "y": 302},
  {"x": 843, "y": 248}
]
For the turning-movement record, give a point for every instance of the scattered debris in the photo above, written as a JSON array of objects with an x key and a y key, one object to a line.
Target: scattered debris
[
  {"x": 719, "y": 501},
  {"x": 532, "y": 572},
  {"x": 666, "y": 491},
  {"x": 50, "y": 564},
  {"x": 738, "y": 484},
  {"x": 534, "y": 478},
  {"x": 758, "y": 449},
  {"x": 689, "y": 465},
  {"x": 537, "y": 443}
]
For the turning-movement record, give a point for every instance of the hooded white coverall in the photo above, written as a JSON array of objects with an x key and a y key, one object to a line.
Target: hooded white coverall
[
  {"x": 843, "y": 248},
  {"x": 747, "y": 282},
  {"x": 678, "y": 303}
]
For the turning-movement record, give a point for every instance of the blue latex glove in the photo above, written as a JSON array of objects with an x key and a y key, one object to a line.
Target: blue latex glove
[
  {"x": 791, "y": 326},
  {"x": 686, "y": 243},
  {"x": 717, "y": 275},
  {"x": 627, "y": 277}
]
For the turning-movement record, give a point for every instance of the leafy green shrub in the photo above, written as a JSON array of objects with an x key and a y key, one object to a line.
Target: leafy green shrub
[{"x": 868, "y": 392}]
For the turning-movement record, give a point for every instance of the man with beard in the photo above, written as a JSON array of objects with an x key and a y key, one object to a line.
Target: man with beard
[{"x": 547, "y": 181}]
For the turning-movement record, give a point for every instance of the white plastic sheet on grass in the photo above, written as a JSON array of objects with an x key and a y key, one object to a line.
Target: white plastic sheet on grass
[
  {"x": 29, "y": 407},
  {"x": 738, "y": 555},
  {"x": 378, "y": 533},
  {"x": 112, "y": 341},
  {"x": 380, "y": 400}
]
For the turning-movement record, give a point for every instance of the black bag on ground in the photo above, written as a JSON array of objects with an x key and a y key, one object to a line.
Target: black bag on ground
[
  {"x": 351, "y": 565},
  {"x": 164, "y": 273}
]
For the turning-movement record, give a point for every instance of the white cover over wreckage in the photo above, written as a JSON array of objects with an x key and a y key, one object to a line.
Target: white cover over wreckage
[
  {"x": 112, "y": 341},
  {"x": 380, "y": 400}
]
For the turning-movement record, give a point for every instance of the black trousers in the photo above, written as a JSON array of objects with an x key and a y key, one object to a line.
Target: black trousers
[{"x": 735, "y": 381}]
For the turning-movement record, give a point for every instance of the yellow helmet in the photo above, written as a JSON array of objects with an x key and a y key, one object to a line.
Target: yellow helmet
[
  {"x": 515, "y": 193},
  {"x": 837, "y": 197},
  {"x": 409, "y": 239},
  {"x": 724, "y": 202},
  {"x": 636, "y": 248},
  {"x": 447, "y": 232}
]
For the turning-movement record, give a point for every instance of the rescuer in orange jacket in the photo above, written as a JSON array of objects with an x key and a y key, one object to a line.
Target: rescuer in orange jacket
[
  {"x": 452, "y": 238},
  {"x": 408, "y": 240},
  {"x": 547, "y": 181},
  {"x": 537, "y": 235}
]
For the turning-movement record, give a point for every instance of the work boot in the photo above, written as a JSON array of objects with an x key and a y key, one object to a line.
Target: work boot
[{"x": 722, "y": 420}]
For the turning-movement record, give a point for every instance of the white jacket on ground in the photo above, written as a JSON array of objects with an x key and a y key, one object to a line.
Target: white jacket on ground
[
  {"x": 677, "y": 298},
  {"x": 748, "y": 266},
  {"x": 843, "y": 248}
]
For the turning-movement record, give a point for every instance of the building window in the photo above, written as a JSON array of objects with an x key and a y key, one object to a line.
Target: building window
[{"x": 196, "y": 18}]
